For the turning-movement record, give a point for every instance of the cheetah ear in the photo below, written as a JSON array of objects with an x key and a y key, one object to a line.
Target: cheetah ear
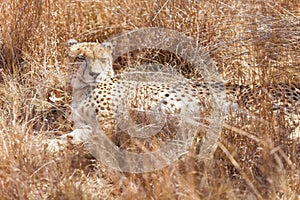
[
  {"x": 72, "y": 42},
  {"x": 108, "y": 45},
  {"x": 74, "y": 50}
]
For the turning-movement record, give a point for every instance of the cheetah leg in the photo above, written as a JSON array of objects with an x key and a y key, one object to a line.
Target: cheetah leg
[{"x": 75, "y": 137}]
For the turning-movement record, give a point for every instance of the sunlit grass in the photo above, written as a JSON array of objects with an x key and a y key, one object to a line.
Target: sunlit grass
[{"x": 250, "y": 41}]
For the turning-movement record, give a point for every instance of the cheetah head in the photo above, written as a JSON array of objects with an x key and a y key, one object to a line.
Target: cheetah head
[{"x": 96, "y": 59}]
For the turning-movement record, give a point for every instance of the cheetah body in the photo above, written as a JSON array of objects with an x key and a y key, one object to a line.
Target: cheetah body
[{"x": 101, "y": 98}]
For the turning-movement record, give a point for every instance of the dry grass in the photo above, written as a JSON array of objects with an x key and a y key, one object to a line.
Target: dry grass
[{"x": 250, "y": 41}]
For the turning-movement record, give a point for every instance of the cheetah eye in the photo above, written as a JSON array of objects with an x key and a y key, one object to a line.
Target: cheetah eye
[
  {"x": 102, "y": 59},
  {"x": 80, "y": 57}
]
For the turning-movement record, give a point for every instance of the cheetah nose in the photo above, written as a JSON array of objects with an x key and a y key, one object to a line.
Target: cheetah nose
[{"x": 93, "y": 74}]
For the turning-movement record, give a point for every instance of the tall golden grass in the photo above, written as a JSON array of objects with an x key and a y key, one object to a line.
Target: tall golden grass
[{"x": 251, "y": 42}]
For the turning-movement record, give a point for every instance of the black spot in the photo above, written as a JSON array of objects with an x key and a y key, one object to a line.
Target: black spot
[
  {"x": 295, "y": 98},
  {"x": 166, "y": 95}
]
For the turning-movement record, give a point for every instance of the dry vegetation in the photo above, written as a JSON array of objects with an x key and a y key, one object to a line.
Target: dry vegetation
[{"x": 250, "y": 41}]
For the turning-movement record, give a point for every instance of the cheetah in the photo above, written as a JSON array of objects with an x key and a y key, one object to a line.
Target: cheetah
[{"x": 99, "y": 94}]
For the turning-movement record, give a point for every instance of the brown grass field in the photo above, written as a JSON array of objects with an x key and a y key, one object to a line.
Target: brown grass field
[{"x": 251, "y": 41}]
